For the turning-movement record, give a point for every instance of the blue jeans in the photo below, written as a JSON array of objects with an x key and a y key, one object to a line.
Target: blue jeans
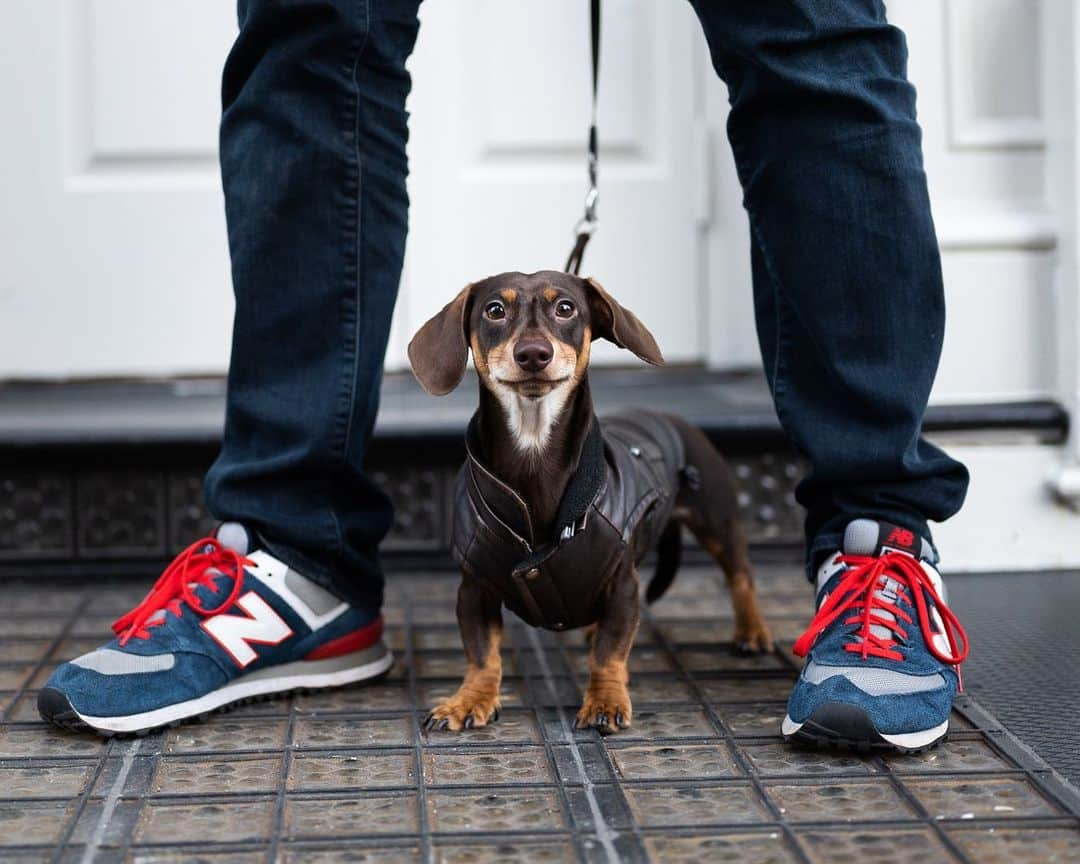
[{"x": 847, "y": 276}]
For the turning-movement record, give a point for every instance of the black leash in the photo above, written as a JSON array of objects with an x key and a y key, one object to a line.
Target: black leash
[{"x": 589, "y": 223}]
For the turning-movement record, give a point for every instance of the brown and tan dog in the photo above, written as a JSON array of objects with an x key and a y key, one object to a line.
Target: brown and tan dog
[{"x": 554, "y": 510}]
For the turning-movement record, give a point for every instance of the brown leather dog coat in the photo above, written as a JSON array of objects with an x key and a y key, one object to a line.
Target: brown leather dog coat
[{"x": 616, "y": 505}]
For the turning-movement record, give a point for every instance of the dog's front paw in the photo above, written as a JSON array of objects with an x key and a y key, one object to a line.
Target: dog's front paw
[
  {"x": 463, "y": 711},
  {"x": 753, "y": 638},
  {"x": 605, "y": 711}
]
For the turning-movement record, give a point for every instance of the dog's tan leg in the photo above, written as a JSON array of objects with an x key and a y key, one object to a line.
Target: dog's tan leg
[
  {"x": 709, "y": 508},
  {"x": 607, "y": 706},
  {"x": 751, "y": 631},
  {"x": 476, "y": 702}
]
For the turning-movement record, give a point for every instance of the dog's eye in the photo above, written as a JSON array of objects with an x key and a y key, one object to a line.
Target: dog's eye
[
  {"x": 495, "y": 311},
  {"x": 564, "y": 309}
]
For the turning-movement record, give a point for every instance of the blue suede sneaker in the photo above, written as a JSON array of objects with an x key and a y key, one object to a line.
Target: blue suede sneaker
[
  {"x": 883, "y": 652},
  {"x": 222, "y": 625}
]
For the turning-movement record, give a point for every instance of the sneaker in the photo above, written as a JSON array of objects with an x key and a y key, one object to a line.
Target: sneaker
[
  {"x": 222, "y": 625},
  {"x": 883, "y": 652}
]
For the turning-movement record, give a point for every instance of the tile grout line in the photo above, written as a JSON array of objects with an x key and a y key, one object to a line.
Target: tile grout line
[
  {"x": 728, "y": 739},
  {"x": 102, "y": 759},
  {"x": 1008, "y": 745},
  {"x": 559, "y": 786},
  {"x": 46, "y": 657},
  {"x": 143, "y": 797},
  {"x": 80, "y": 808},
  {"x": 604, "y": 832},
  {"x": 920, "y": 811},
  {"x": 111, "y": 800},
  {"x": 286, "y": 766},
  {"x": 617, "y": 783},
  {"x": 426, "y": 853}
]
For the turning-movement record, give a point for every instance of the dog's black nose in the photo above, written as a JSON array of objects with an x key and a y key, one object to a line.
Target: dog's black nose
[{"x": 532, "y": 355}]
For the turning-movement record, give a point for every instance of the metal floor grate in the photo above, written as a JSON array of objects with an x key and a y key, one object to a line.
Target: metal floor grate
[
  {"x": 1025, "y": 659},
  {"x": 349, "y": 775}
]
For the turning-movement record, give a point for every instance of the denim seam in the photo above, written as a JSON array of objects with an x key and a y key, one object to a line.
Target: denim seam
[
  {"x": 359, "y": 220},
  {"x": 779, "y": 366},
  {"x": 353, "y": 274}
]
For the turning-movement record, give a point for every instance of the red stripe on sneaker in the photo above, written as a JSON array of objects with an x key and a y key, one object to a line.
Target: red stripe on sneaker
[{"x": 358, "y": 640}]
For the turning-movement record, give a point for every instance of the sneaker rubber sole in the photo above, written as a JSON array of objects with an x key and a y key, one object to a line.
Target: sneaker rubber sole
[
  {"x": 849, "y": 727},
  {"x": 55, "y": 707}
]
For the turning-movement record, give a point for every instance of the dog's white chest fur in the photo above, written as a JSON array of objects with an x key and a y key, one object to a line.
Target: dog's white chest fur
[{"x": 531, "y": 420}]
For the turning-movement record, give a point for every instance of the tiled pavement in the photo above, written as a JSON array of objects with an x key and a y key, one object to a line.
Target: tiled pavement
[{"x": 701, "y": 776}]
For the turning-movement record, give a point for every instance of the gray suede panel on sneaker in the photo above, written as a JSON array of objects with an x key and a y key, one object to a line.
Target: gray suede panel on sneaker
[
  {"x": 318, "y": 599},
  {"x": 874, "y": 681},
  {"x": 107, "y": 661},
  {"x": 235, "y": 536}
]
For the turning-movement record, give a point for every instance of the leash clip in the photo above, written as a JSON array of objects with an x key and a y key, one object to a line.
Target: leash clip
[
  {"x": 593, "y": 195},
  {"x": 588, "y": 223}
]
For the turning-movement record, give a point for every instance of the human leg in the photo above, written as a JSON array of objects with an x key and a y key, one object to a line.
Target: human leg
[
  {"x": 847, "y": 276},
  {"x": 850, "y": 312},
  {"x": 313, "y": 162}
]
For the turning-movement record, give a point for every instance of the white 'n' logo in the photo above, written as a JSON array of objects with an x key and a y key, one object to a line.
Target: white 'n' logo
[{"x": 234, "y": 632}]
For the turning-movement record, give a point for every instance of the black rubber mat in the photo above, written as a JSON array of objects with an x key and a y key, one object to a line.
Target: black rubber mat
[{"x": 1025, "y": 656}]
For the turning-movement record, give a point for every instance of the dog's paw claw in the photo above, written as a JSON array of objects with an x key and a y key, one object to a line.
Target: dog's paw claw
[
  {"x": 457, "y": 714},
  {"x": 604, "y": 718},
  {"x": 434, "y": 724},
  {"x": 758, "y": 641}
]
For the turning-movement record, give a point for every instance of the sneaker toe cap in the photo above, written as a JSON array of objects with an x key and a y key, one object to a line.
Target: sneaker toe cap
[
  {"x": 891, "y": 713},
  {"x": 101, "y": 684}
]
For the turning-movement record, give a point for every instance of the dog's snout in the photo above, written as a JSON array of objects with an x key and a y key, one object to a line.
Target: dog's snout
[{"x": 532, "y": 355}]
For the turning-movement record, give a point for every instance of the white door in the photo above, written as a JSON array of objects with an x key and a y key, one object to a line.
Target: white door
[
  {"x": 114, "y": 248},
  {"x": 114, "y": 258},
  {"x": 500, "y": 112}
]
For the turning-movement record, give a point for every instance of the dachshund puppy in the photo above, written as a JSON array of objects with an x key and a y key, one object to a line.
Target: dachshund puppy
[{"x": 553, "y": 509}]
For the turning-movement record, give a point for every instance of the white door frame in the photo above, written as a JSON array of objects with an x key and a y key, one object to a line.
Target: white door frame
[{"x": 1061, "y": 77}]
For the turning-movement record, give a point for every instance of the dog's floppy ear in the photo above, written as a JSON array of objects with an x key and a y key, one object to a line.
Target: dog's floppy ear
[
  {"x": 619, "y": 325},
  {"x": 439, "y": 351}
]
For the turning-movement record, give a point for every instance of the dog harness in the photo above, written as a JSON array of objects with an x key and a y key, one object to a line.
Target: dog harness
[{"x": 614, "y": 509}]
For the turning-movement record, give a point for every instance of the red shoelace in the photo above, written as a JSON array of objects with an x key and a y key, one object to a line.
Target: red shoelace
[
  {"x": 862, "y": 589},
  {"x": 190, "y": 569}
]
